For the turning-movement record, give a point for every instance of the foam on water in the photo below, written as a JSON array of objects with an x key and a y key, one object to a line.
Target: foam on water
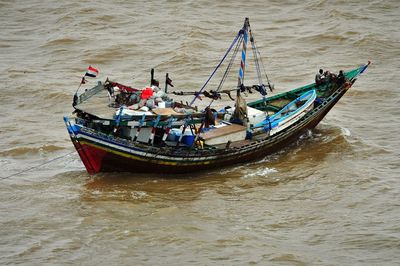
[
  {"x": 261, "y": 172},
  {"x": 346, "y": 132}
]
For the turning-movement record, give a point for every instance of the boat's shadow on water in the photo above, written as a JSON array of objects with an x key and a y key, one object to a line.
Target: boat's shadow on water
[{"x": 297, "y": 161}]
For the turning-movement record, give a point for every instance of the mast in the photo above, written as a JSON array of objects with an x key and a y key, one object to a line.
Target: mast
[
  {"x": 240, "y": 113},
  {"x": 243, "y": 60}
]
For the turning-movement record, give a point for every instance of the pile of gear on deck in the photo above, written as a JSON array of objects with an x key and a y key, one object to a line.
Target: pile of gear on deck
[{"x": 136, "y": 101}]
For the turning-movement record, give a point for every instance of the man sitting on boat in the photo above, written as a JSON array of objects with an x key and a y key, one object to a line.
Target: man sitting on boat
[
  {"x": 329, "y": 76},
  {"x": 341, "y": 79},
  {"x": 320, "y": 77}
]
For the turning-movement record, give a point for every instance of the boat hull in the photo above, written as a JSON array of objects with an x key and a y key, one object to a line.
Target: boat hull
[{"x": 99, "y": 153}]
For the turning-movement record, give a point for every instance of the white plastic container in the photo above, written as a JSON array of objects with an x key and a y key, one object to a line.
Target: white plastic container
[{"x": 161, "y": 105}]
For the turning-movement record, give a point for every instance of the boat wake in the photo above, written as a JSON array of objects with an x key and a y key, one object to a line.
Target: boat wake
[
  {"x": 261, "y": 172},
  {"x": 345, "y": 132}
]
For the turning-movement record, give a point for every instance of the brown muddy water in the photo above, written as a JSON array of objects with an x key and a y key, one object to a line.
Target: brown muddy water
[{"x": 331, "y": 198}]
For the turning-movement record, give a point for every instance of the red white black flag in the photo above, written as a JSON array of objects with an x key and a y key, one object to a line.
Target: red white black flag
[{"x": 91, "y": 72}]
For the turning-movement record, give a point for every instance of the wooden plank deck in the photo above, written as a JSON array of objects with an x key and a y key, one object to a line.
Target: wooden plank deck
[{"x": 222, "y": 131}]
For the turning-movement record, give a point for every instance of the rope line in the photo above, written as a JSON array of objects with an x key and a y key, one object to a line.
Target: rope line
[
  {"x": 36, "y": 166},
  {"x": 235, "y": 51},
  {"x": 216, "y": 68}
]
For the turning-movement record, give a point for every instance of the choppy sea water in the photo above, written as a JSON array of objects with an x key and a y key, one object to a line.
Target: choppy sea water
[{"x": 331, "y": 198}]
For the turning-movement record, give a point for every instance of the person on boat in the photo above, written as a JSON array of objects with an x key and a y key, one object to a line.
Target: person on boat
[
  {"x": 108, "y": 86},
  {"x": 155, "y": 83},
  {"x": 329, "y": 76},
  {"x": 341, "y": 79},
  {"x": 320, "y": 77},
  {"x": 209, "y": 117}
]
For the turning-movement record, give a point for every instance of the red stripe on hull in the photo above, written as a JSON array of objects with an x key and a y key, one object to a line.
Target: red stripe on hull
[{"x": 91, "y": 157}]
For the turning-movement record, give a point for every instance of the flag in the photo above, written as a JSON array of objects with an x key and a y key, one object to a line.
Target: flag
[
  {"x": 91, "y": 72},
  {"x": 169, "y": 82}
]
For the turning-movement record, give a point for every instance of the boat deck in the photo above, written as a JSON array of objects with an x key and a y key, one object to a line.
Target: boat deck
[
  {"x": 98, "y": 105},
  {"x": 226, "y": 130},
  {"x": 97, "y": 102}
]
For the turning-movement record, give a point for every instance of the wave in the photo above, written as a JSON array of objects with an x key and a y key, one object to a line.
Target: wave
[
  {"x": 260, "y": 172},
  {"x": 23, "y": 151},
  {"x": 345, "y": 132},
  {"x": 324, "y": 37},
  {"x": 198, "y": 33},
  {"x": 61, "y": 41},
  {"x": 57, "y": 96},
  {"x": 378, "y": 43},
  {"x": 109, "y": 54},
  {"x": 4, "y": 45}
]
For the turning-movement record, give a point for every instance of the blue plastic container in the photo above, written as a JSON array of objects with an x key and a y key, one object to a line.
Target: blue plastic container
[{"x": 188, "y": 139}]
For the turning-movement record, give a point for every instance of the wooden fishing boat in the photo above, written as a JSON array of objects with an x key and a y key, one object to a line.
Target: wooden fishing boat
[{"x": 172, "y": 137}]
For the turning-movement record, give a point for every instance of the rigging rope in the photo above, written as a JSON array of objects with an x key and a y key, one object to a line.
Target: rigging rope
[
  {"x": 215, "y": 70},
  {"x": 241, "y": 36},
  {"x": 36, "y": 166},
  {"x": 254, "y": 48},
  {"x": 262, "y": 64},
  {"x": 235, "y": 51}
]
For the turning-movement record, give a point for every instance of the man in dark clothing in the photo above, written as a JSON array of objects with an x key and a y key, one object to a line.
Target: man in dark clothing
[
  {"x": 319, "y": 78},
  {"x": 341, "y": 79}
]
